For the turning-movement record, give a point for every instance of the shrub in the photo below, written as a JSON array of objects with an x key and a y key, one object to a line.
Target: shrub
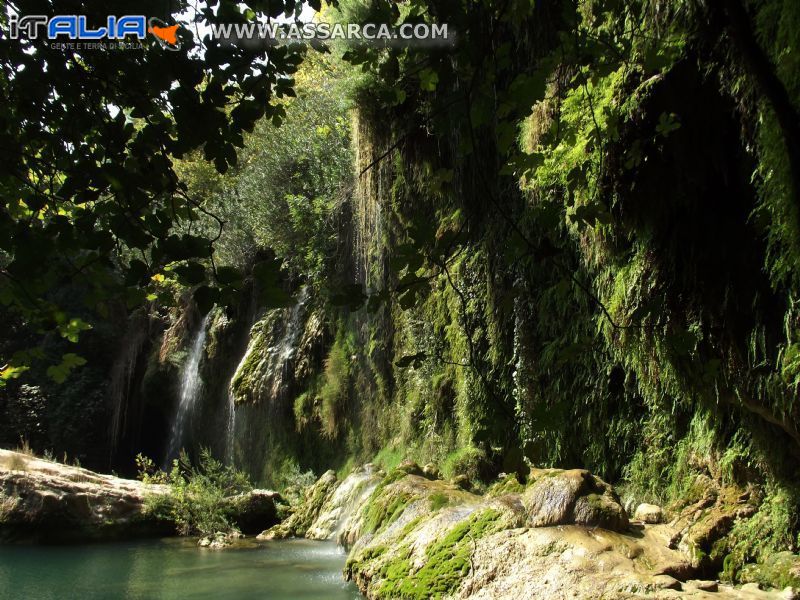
[
  {"x": 198, "y": 495},
  {"x": 335, "y": 387}
]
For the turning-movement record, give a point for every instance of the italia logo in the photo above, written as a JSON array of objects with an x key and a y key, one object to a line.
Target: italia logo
[{"x": 75, "y": 27}]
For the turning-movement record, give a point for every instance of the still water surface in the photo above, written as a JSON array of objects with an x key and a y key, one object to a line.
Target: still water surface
[{"x": 174, "y": 569}]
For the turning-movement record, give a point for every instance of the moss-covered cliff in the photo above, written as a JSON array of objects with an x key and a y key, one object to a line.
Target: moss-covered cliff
[{"x": 603, "y": 277}]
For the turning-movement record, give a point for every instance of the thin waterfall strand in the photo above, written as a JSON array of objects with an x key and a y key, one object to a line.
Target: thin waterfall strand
[
  {"x": 190, "y": 390},
  {"x": 230, "y": 432}
]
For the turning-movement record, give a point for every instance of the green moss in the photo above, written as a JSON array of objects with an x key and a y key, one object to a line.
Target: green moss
[
  {"x": 448, "y": 561},
  {"x": 509, "y": 485},
  {"x": 767, "y": 534},
  {"x": 385, "y": 510},
  {"x": 777, "y": 571},
  {"x": 389, "y": 457},
  {"x": 335, "y": 387},
  {"x": 438, "y": 500},
  {"x": 467, "y": 461}
]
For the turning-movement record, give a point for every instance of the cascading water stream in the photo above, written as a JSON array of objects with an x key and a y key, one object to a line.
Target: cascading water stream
[
  {"x": 230, "y": 431},
  {"x": 190, "y": 390}
]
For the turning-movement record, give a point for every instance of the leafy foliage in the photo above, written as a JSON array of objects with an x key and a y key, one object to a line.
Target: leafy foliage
[
  {"x": 198, "y": 495},
  {"x": 89, "y": 139}
]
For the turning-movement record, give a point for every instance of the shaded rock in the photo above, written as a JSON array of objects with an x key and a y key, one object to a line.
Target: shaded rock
[
  {"x": 702, "y": 524},
  {"x": 665, "y": 582},
  {"x": 462, "y": 481},
  {"x": 431, "y": 471},
  {"x": 304, "y": 515},
  {"x": 410, "y": 467},
  {"x": 49, "y": 501},
  {"x": 255, "y": 510},
  {"x": 703, "y": 585},
  {"x": 649, "y": 513},
  {"x": 576, "y": 496}
]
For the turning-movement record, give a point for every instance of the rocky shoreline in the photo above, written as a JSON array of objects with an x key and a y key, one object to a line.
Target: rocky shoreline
[
  {"x": 45, "y": 501},
  {"x": 410, "y": 534},
  {"x": 564, "y": 534}
]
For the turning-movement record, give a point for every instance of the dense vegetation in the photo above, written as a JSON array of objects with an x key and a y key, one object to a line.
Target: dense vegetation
[{"x": 571, "y": 239}]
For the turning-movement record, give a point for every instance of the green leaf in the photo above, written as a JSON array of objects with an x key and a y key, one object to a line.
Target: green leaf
[
  {"x": 71, "y": 329},
  {"x": 667, "y": 123},
  {"x": 61, "y": 371},
  {"x": 190, "y": 274},
  {"x": 428, "y": 79}
]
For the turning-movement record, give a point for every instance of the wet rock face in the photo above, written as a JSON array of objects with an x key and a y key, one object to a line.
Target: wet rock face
[
  {"x": 49, "y": 501},
  {"x": 343, "y": 505},
  {"x": 573, "y": 497}
]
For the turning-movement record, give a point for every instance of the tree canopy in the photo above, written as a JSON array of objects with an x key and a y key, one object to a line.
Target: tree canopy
[{"x": 88, "y": 144}]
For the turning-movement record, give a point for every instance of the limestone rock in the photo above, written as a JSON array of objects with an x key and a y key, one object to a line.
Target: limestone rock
[
  {"x": 665, "y": 582},
  {"x": 649, "y": 513},
  {"x": 219, "y": 541},
  {"x": 431, "y": 471},
  {"x": 700, "y": 525},
  {"x": 304, "y": 515},
  {"x": 410, "y": 535},
  {"x": 462, "y": 481},
  {"x": 575, "y": 496},
  {"x": 410, "y": 467},
  {"x": 778, "y": 570},
  {"x": 341, "y": 507},
  {"x": 703, "y": 585},
  {"x": 45, "y": 500}
]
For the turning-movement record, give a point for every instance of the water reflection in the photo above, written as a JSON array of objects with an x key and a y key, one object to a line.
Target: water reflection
[{"x": 167, "y": 569}]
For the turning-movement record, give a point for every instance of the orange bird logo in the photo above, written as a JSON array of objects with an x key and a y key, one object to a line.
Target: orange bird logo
[{"x": 167, "y": 34}]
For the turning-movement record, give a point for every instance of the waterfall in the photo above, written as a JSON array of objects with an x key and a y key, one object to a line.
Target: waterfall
[
  {"x": 122, "y": 375},
  {"x": 230, "y": 430},
  {"x": 191, "y": 385},
  {"x": 284, "y": 351}
]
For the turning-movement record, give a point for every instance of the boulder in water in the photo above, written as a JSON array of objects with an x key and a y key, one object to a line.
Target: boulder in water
[{"x": 255, "y": 510}]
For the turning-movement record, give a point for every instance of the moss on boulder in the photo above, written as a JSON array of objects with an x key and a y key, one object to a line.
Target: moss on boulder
[
  {"x": 576, "y": 496},
  {"x": 304, "y": 515}
]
